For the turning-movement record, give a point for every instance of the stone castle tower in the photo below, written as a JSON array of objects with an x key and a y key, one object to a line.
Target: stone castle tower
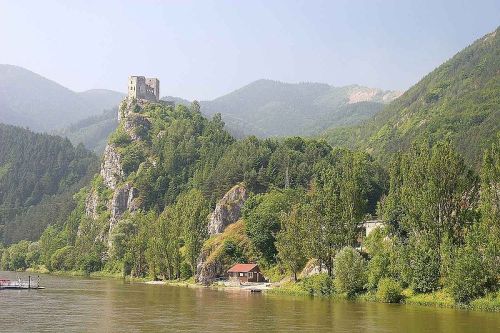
[{"x": 140, "y": 87}]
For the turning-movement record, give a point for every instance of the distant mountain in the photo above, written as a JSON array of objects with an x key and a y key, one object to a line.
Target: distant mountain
[
  {"x": 271, "y": 108},
  {"x": 39, "y": 174},
  {"x": 102, "y": 99},
  {"x": 30, "y": 100},
  {"x": 92, "y": 132},
  {"x": 459, "y": 100}
]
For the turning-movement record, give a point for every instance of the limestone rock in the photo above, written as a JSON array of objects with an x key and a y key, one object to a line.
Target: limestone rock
[
  {"x": 123, "y": 200},
  {"x": 91, "y": 203},
  {"x": 111, "y": 169},
  {"x": 312, "y": 268},
  {"x": 227, "y": 210},
  {"x": 135, "y": 125}
]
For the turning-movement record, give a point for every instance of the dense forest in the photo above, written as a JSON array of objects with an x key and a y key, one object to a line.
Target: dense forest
[
  {"x": 39, "y": 173},
  {"x": 179, "y": 198},
  {"x": 458, "y": 101},
  {"x": 307, "y": 201}
]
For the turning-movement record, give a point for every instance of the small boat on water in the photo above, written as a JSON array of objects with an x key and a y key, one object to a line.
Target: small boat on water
[{"x": 20, "y": 284}]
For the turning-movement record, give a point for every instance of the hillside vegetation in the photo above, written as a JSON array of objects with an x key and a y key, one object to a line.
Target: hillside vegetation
[
  {"x": 39, "y": 173},
  {"x": 92, "y": 132},
  {"x": 459, "y": 100},
  {"x": 270, "y": 108}
]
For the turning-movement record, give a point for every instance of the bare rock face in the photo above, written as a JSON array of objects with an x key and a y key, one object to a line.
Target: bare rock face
[
  {"x": 313, "y": 267},
  {"x": 123, "y": 200},
  {"x": 111, "y": 169},
  {"x": 228, "y": 210},
  {"x": 136, "y": 125},
  {"x": 206, "y": 272},
  {"x": 91, "y": 203}
]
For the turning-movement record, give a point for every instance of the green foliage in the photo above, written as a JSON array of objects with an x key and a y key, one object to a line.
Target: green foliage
[
  {"x": 262, "y": 216},
  {"x": 389, "y": 291},
  {"x": 424, "y": 264},
  {"x": 318, "y": 285},
  {"x": 120, "y": 138},
  {"x": 39, "y": 173},
  {"x": 458, "y": 100},
  {"x": 350, "y": 271},
  {"x": 63, "y": 259},
  {"x": 290, "y": 242}
]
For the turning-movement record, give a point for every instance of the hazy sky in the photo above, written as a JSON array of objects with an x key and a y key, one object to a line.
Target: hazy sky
[{"x": 203, "y": 49}]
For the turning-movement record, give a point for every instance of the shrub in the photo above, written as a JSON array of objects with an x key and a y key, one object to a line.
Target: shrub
[
  {"x": 318, "y": 285},
  {"x": 186, "y": 271},
  {"x": 350, "y": 271},
  {"x": 377, "y": 268},
  {"x": 424, "y": 266},
  {"x": 468, "y": 278},
  {"x": 120, "y": 138},
  {"x": 62, "y": 259},
  {"x": 389, "y": 291}
]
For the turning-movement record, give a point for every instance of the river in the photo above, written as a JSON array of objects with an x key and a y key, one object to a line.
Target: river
[{"x": 70, "y": 304}]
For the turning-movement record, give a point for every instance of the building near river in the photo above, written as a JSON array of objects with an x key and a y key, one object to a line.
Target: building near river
[{"x": 246, "y": 273}]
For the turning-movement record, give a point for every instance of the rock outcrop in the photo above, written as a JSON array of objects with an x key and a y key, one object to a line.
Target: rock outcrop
[
  {"x": 91, "y": 204},
  {"x": 122, "y": 201},
  {"x": 312, "y": 268},
  {"x": 111, "y": 168},
  {"x": 136, "y": 125},
  {"x": 227, "y": 210}
]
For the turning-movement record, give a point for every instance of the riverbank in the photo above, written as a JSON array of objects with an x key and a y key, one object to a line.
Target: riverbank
[{"x": 440, "y": 298}]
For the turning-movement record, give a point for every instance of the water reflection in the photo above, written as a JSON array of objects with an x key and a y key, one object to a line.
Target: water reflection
[{"x": 92, "y": 305}]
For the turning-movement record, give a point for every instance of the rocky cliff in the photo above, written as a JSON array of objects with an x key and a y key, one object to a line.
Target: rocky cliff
[
  {"x": 227, "y": 210},
  {"x": 222, "y": 226},
  {"x": 124, "y": 196}
]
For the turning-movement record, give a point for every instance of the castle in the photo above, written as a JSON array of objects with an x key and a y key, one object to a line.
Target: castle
[{"x": 140, "y": 87}]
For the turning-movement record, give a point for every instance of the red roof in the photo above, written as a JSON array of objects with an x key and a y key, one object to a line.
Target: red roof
[{"x": 242, "y": 268}]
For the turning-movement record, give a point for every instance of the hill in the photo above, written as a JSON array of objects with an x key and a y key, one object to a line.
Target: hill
[
  {"x": 39, "y": 173},
  {"x": 30, "y": 100},
  {"x": 92, "y": 132},
  {"x": 263, "y": 108},
  {"x": 459, "y": 100},
  {"x": 271, "y": 108}
]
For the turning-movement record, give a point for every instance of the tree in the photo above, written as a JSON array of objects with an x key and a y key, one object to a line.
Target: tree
[
  {"x": 350, "y": 271},
  {"x": 194, "y": 212},
  {"x": 262, "y": 216},
  {"x": 290, "y": 241}
]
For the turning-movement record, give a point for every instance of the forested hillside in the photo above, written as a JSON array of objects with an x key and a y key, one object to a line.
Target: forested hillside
[
  {"x": 30, "y": 100},
  {"x": 39, "y": 173},
  {"x": 291, "y": 205},
  {"x": 459, "y": 100},
  {"x": 270, "y": 108},
  {"x": 263, "y": 108},
  {"x": 92, "y": 132}
]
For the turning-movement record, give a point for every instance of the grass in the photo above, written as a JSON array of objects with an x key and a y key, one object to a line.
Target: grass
[{"x": 440, "y": 298}]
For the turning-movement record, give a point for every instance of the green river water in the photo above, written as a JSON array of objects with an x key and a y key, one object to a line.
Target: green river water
[{"x": 104, "y": 305}]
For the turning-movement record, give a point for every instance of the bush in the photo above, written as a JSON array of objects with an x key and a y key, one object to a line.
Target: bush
[
  {"x": 424, "y": 266},
  {"x": 186, "y": 271},
  {"x": 350, "y": 271},
  {"x": 318, "y": 285},
  {"x": 62, "y": 259},
  {"x": 120, "y": 138},
  {"x": 389, "y": 291},
  {"x": 468, "y": 278},
  {"x": 377, "y": 268}
]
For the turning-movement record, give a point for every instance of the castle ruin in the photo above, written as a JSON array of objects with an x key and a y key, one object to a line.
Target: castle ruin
[{"x": 140, "y": 87}]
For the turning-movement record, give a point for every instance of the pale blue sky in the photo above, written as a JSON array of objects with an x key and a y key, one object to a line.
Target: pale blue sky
[{"x": 203, "y": 49}]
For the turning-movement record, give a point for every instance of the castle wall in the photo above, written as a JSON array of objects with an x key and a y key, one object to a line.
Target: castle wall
[{"x": 140, "y": 87}]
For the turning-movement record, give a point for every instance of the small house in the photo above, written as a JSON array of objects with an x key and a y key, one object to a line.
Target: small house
[{"x": 246, "y": 273}]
